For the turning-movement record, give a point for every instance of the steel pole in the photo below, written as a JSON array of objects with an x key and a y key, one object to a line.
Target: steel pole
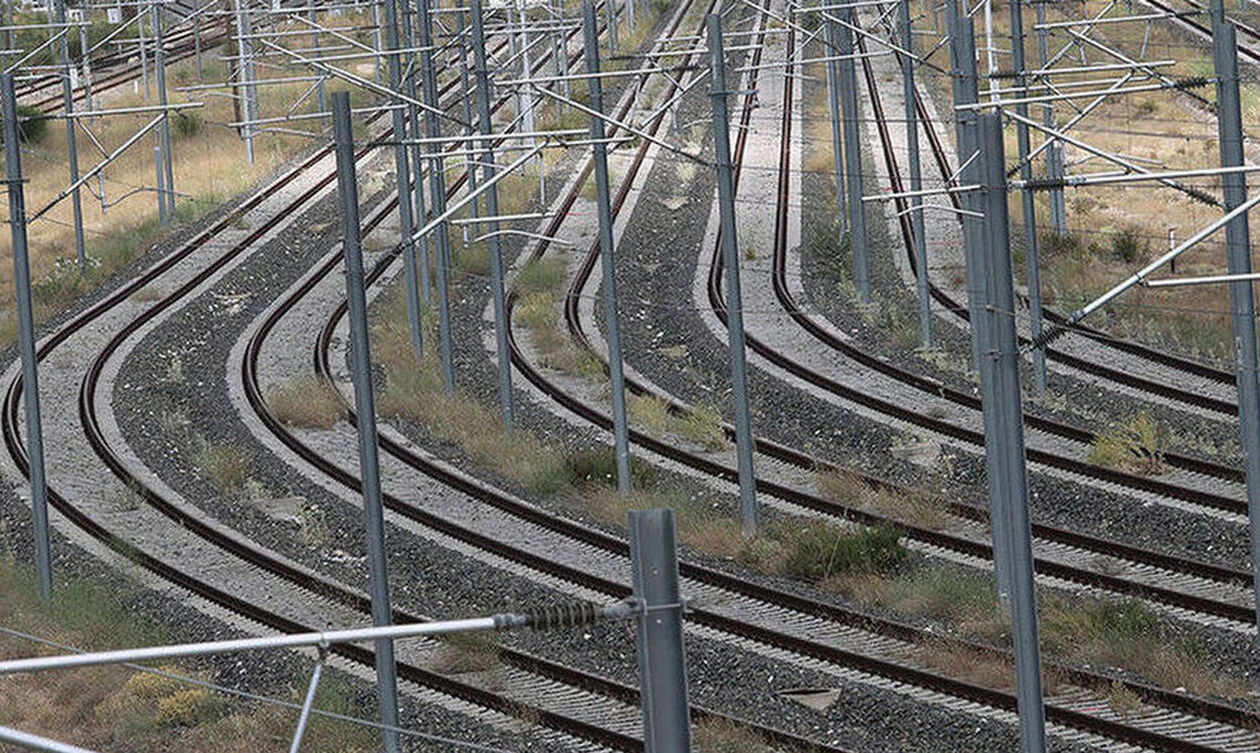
[
  {"x": 244, "y": 71},
  {"x": 466, "y": 98},
  {"x": 1238, "y": 245},
  {"x": 321, "y": 91},
  {"x": 482, "y": 79},
  {"x": 304, "y": 715},
  {"x": 1001, "y": 368},
  {"x": 164, "y": 128},
  {"x": 402, "y": 171},
  {"x": 748, "y": 511},
  {"x": 979, "y": 280},
  {"x": 365, "y": 415},
  {"x": 26, "y": 337},
  {"x": 437, "y": 192},
  {"x": 1054, "y": 154},
  {"x": 36, "y": 742},
  {"x": 837, "y": 131},
  {"x": 420, "y": 214},
  {"x": 842, "y": 41},
  {"x": 72, "y": 150},
  {"x": 916, "y": 177},
  {"x": 962, "y": 55},
  {"x": 160, "y": 182},
  {"x": 607, "y": 252},
  {"x": 659, "y": 634},
  {"x": 1032, "y": 253}
]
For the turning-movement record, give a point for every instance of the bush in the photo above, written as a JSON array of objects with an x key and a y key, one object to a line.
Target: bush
[
  {"x": 819, "y": 551},
  {"x": 1136, "y": 445},
  {"x": 32, "y": 125},
  {"x": 1129, "y": 247},
  {"x": 187, "y": 124}
]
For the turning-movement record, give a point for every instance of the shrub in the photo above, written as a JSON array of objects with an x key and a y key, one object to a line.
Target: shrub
[
  {"x": 818, "y": 551},
  {"x": 188, "y": 708},
  {"x": 32, "y": 125},
  {"x": 1136, "y": 445},
  {"x": 1128, "y": 246},
  {"x": 188, "y": 124}
]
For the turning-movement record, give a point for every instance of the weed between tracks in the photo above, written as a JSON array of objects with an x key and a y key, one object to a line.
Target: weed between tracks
[
  {"x": 1136, "y": 445},
  {"x": 118, "y": 710},
  {"x": 306, "y": 401}
]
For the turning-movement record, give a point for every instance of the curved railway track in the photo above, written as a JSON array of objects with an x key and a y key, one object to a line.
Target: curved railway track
[
  {"x": 570, "y": 529},
  {"x": 615, "y": 735}
]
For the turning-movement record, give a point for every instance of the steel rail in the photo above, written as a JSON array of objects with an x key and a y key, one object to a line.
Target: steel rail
[{"x": 239, "y": 546}]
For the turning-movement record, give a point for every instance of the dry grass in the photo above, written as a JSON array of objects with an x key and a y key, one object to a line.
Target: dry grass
[
  {"x": 962, "y": 663},
  {"x": 1136, "y": 446},
  {"x": 712, "y": 735},
  {"x": 918, "y": 507},
  {"x": 209, "y": 167},
  {"x": 463, "y": 653},
  {"x": 1128, "y": 634},
  {"x": 962, "y": 600},
  {"x": 227, "y": 466},
  {"x": 117, "y": 710},
  {"x": 308, "y": 402},
  {"x": 702, "y": 425},
  {"x": 414, "y": 391}
]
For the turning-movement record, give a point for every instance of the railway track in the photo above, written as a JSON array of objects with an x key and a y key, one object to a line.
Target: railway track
[
  {"x": 1175, "y": 367},
  {"x": 617, "y": 730},
  {"x": 502, "y": 501},
  {"x": 179, "y": 47}
]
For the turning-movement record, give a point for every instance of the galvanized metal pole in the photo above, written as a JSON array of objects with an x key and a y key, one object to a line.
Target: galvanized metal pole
[
  {"x": 437, "y": 192},
  {"x": 26, "y": 337},
  {"x": 321, "y": 91},
  {"x": 304, "y": 715},
  {"x": 406, "y": 228},
  {"x": 365, "y": 414},
  {"x": 659, "y": 634},
  {"x": 164, "y": 128},
  {"x": 244, "y": 71},
  {"x": 916, "y": 177},
  {"x": 1054, "y": 154},
  {"x": 35, "y": 742},
  {"x": 610, "y": 9},
  {"x": 748, "y": 511},
  {"x": 1238, "y": 245},
  {"x": 1001, "y": 368},
  {"x": 160, "y": 182},
  {"x": 409, "y": 21},
  {"x": 482, "y": 78},
  {"x": 466, "y": 98},
  {"x": 962, "y": 56},
  {"x": 837, "y": 131},
  {"x": 842, "y": 42},
  {"x": 607, "y": 253},
  {"x": 979, "y": 283},
  {"x": 72, "y": 150},
  {"x": 1032, "y": 254}
]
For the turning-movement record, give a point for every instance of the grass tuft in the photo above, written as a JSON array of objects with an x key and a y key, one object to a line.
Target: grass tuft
[
  {"x": 1136, "y": 445},
  {"x": 308, "y": 402}
]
